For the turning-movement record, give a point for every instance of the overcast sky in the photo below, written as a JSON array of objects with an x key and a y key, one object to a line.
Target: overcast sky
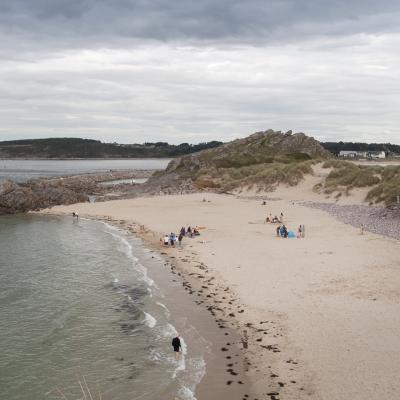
[{"x": 199, "y": 70}]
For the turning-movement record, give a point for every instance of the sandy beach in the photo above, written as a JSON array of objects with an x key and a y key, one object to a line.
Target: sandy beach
[{"x": 322, "y": 312}]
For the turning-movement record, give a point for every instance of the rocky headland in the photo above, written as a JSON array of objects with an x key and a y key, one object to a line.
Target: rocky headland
[
  {"x": 262, "y": 160},
  {"x": 46, "y": 192}
]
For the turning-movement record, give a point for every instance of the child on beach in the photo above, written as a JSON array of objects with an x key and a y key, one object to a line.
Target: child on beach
[
  {"x": 166, "y": 240},
  {"x": 299, "y": 232}
]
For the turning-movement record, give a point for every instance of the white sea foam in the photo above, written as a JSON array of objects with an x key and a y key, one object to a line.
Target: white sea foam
[
  {"x": 169, "y": 330},
  {"x": 128, "y": 250},
  {"x": 156, "y": 356},
  {"x": 187, "y": 371},
  {"x": 184, "y": 393},
  {"x": 149, "y": 320},
  {"x": 126, "y": 247},
  {"x": 163, "y": 306}
]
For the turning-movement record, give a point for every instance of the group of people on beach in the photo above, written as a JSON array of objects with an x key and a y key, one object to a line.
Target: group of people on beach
[
  {"x": 274, "y": 220},
  {"x": 172, "y": 238},
  {"x": 281, "y": 230}
]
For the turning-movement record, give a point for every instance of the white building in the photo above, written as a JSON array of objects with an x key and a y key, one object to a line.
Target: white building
[
  {"x": 361, "y": 154},
  {"x": 352, "y": 154},
  {"x": 376, "y": 154}
]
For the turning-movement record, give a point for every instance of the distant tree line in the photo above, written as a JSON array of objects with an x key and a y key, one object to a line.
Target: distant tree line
[
  {"x": 87, "y": 148},
  {"x": 336, "y": 147}
]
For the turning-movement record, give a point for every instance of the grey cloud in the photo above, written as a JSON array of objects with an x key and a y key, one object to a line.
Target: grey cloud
[
  {"x": 194, "y": 94},
  {"x": 140, "y": 70},
  {"x": 105, "y": 21}
]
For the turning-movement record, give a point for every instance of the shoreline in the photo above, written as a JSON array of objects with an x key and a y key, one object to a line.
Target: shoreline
[
  {"x": 225, "y": 375},
  {"x": 247, "y": 361},
  {"x": 305, "y": 310}
]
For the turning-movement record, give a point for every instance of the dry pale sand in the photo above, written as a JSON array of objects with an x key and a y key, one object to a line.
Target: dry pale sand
[{"x": 323, "y": 312}]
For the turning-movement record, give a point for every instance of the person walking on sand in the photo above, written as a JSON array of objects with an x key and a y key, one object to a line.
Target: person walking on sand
[
  {"x": 180, "y": 237},
  {"x": 176, "y": 344}
]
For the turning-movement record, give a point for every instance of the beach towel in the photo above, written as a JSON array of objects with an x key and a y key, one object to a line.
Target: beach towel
[{"x": 291, "y": 234}]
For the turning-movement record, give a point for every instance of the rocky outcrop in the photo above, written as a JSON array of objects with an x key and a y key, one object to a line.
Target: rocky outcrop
[
  {"x": 239, "y": 162},
  {"x": 16, "y": 198},
  {"x": 260, "y": 147},
  {"x": 46, "y": 192}
]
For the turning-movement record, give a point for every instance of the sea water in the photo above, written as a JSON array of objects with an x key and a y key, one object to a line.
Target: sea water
[
  {"x": 22, "y": 170},
  {"x": 79, "y": 311}
]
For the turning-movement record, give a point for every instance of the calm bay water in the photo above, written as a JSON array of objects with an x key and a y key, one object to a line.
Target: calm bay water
[
  {"x": 23, "y": 170},
  {"x": 76, "y": 301}
]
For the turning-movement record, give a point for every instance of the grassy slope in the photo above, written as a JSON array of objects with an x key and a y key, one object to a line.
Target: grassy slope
[
  {"x": 384, "y": 181},
  {"x": 262, "y": 161}
]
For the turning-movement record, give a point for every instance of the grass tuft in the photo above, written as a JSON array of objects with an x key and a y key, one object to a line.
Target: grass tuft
[{"x": 384, "y": 181}]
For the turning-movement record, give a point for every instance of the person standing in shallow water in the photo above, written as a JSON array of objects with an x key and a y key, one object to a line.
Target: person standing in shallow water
[{"x": 176, "y": 344}]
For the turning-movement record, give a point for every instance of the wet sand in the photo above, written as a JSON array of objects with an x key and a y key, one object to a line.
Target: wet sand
[{"x": 192, "y": 303}]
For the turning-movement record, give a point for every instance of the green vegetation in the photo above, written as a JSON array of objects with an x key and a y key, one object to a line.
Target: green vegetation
[
  {"x": 86, "y": 148},
  {"x": 260, "y": 161},
  {"x": 384, "y": 181},
  {"x": 389, "y": 187},
  {"x": 264, "y": 176},
  {"x": 336, "y": 147}
]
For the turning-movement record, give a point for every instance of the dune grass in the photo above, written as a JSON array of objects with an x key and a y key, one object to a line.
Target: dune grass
[
  {"x": 264, "y": 176},
  {"x": 344, "y": 176},
  {"x": 389, "y": 187}
]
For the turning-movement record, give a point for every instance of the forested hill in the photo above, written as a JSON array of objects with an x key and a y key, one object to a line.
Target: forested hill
[
  {"x": 87, "y": 148},
  {"x": 336, "y": 147}
]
